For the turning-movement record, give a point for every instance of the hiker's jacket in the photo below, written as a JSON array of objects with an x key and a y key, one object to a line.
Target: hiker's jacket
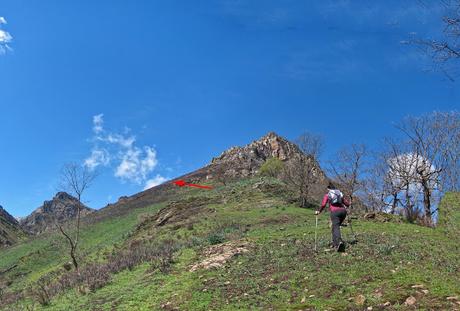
[{"x": 334, "y": 207}]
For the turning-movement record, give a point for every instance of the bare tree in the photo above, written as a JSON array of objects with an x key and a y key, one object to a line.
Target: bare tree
[
  {"x": 379, "y": 191},
  {"x": 301, "y": 172},
  {"x": 445, "y": 49},
  {"x": 434, "y": 144},
  {"x": 219, "y": 174},
  {"x": 348, "y": 168},
  {"x": 75, "y": 179},
  {"x": 445, "y": 127}
]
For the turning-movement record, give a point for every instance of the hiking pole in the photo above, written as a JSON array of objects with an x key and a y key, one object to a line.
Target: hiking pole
[
  {"x": 316, "y": 233},
  {"x": 351, "y": 226}
]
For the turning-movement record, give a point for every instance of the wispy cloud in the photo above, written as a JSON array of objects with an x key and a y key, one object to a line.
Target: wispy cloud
[
  {"x": 157, "y": 180},
  {"x": 119, "y": 151},
  {"x": 5, "y": 37}
]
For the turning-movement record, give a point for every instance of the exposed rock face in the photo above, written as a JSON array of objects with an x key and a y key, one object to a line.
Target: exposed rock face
[
  {"x": 10, "y": 230},
  {"x": 216, "y": 256},
  {"x": 62, "y": 208},
  {"x": 246, "y": 161}
]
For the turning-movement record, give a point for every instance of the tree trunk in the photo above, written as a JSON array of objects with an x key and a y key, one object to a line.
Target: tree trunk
[
  {"x": 74, "y": 259},
  {"x": 394, "y": 203},
  {"x": 427, "y": 199}
]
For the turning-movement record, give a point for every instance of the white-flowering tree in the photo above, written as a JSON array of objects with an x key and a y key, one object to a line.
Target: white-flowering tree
[{"x": 432, "y": 143}]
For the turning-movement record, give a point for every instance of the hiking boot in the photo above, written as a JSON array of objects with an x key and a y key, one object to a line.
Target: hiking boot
[{"x": 341, "y": 247}]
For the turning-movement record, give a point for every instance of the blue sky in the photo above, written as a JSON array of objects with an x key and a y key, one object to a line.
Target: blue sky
[{"x": 155, "y": 89}]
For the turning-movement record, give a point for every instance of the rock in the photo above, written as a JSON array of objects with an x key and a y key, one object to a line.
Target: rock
[
  {"x": 425, "y": 291},
  {"x": 387, "y": 304},
  {"x": 246, "y": 161},
  {"x": 216, "y": 256},
  {"x": 418, "y": 286},
  {"x": 68, "y": 266},
  {"x": 410, "y": 301},
  {"x": 360, "y": 300},
  {"x": 304, "y": 299},
  {"x": 452, "y": 298},
  {"x": 62, "y": 208}
]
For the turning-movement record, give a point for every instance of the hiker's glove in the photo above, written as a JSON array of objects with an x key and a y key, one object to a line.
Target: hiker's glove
[{"x": 316, "y": 212}]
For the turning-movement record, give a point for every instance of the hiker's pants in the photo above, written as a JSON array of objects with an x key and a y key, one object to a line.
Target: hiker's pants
[{"x": 337, "y": 218}]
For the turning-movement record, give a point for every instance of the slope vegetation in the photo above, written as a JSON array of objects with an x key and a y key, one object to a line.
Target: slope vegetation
[{"x": 237, "y": 247}]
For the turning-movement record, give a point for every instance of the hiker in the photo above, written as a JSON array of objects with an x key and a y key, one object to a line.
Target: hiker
[{"x": 337, "y": 205}]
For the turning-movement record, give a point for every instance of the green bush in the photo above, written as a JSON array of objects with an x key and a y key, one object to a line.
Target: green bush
[
  {"x": 216, "y": 238},
  {"x": 271, "y": 168}
]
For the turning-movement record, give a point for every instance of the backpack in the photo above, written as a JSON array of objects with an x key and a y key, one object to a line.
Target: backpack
[{"x": 335, "y": 197}]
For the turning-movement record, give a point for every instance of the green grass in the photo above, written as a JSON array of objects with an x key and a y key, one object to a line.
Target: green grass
[
  {"x": 47, "y": 253},
  {"x": 281, "y": 271}
]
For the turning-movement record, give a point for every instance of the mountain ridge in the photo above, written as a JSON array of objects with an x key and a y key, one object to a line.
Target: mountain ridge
[
  {"x": 10, "y": 229},
  {"x": 60, "y": 209}
]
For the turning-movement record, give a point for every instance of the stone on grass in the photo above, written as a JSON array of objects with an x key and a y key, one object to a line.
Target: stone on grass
[
  {"x": 410, "y": 301},
  {"x": 360, "y": 300}
]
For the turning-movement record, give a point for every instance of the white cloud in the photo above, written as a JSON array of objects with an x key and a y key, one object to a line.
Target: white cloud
[
  {"x": 136, "y": 164},
  {"x": 98, "y": 157},
  {"x": 5, "y": 38},
  {"x": 126, "y": 142},
  {"x": 98, "y": 123},
  {"x": 132, "y": 163},
  {"x": 157, "y": 180}
]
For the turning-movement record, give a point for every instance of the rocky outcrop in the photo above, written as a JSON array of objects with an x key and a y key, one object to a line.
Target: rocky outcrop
[
  {"x": 62, "y": 208},
  {"x": 10, "y": 230},
  {"x": 246, "y": 161}
]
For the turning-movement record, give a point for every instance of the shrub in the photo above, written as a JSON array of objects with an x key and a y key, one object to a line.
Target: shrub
[
  {"x": 42, "y": 291},
  {"x": 216, "y": 238},
  {"x": 272, "y": 167}
]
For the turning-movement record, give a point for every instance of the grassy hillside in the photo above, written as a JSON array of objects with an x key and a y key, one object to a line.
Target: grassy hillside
[{"x": 158, "y": 254}]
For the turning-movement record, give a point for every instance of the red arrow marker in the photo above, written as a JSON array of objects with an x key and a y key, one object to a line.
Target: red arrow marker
[{"x": 182, "y": 183}]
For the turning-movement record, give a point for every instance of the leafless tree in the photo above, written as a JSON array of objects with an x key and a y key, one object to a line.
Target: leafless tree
[
  {"x": 445, "y": 49},
  {"x": 445, "y": 127},
  {"x": 75, "y": 179},
  {"x": 430, "y": 148},
  {"x": 301, "y": 172},
  {"x": 219, "y": 174},
  {"x": 348, "y": 168},
  {"x": 379, "y": 191}
]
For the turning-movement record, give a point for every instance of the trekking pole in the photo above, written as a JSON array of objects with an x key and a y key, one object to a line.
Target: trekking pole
[
  {"x": 316, "y": 233},
  {"x": 351, "y": 226}
]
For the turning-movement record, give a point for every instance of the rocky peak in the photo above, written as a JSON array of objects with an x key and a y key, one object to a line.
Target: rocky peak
[
  {"x": 6, "y": 217},
  {"x": 62, "y": 208},
  {"x": 246, "y": 161},
  {"x": 271, "y": 145},
  {"x": 9, "y": 228}
]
